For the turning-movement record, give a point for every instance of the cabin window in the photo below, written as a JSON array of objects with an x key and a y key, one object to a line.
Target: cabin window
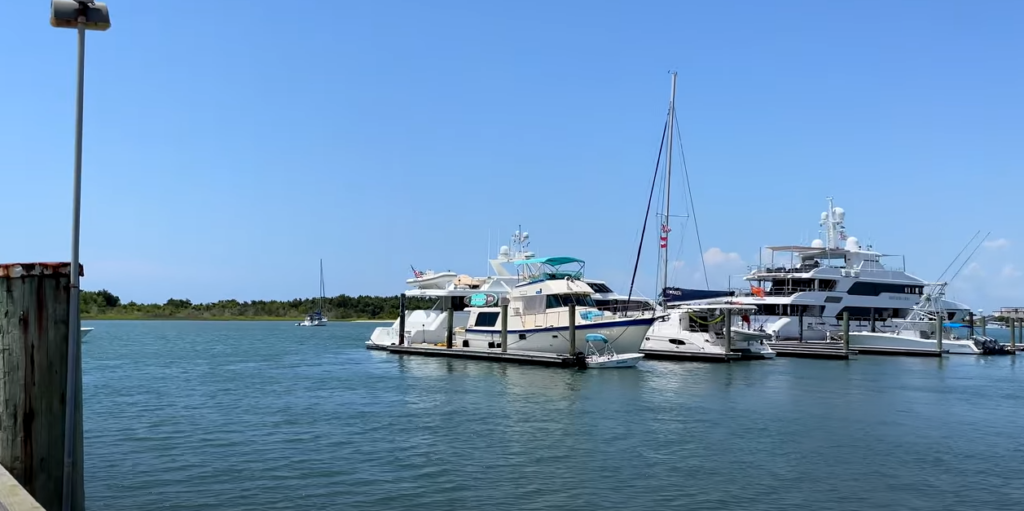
[
  {"x": 827, "y": 284},
  {"x": 486, "y": 319},
  {"x": 553, "y": 302},
  {"x": 877, "y": 288},
  {"x": 677, "y": 342},
  {"x": 599, "y": 288}
]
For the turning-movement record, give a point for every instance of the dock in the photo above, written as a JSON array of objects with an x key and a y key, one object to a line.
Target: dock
[
  {"x": 493, "y": 354},
  {"x": 823, "y": 350},
  {"x": 690, "y": 355}
]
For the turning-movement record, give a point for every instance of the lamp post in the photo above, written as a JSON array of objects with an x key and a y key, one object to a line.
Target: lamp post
[{"x": 81, "y": 15}]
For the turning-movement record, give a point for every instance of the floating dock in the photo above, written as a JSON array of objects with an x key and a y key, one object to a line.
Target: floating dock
[
  {"x": 493, "y": 354},
  {"x": 903, "y": 352},
  {"x": 827, "y": 350},
  {"x": 690, "y": 355}
]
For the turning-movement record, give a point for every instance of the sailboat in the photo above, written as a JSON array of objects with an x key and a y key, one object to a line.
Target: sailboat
[
  {"x": 692, "y": 332},
  {"x": 317, "y": 318}
]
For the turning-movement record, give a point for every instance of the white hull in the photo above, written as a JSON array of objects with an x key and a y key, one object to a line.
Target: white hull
[
  {"x": 610, "y": 361},
  {"x": 311, "y": 323},
  {"x": 624, "y": 339},
  {"x": 868, "y": 340},
  {"x": 671, "y": 336},
  {"x": 84, "y": 332}
]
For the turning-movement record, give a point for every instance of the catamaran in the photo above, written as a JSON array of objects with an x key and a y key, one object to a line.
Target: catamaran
[{"x": 695, "y": 332}]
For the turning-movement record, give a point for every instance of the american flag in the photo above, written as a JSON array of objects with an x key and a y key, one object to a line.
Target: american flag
[{"x": 416, "y": 273}]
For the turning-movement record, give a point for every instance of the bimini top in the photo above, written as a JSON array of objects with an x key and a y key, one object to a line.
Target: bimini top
[
  {"x": 549, "y": 268},
  {"x": 550, "y": 261}
]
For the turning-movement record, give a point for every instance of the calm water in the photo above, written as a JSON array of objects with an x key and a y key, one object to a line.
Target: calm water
[{"x": 212, "y": 415}]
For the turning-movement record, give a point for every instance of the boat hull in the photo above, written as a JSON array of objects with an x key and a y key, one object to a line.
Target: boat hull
[
  {"x": 613, "y": 361},
  {"x": 866, "y": 340},
  {"x": 624, "y": 336}
]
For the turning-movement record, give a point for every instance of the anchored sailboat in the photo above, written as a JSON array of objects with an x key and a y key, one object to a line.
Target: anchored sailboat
[{"x": 317, "y": 318}]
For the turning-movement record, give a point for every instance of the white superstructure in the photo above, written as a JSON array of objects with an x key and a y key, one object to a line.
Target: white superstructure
[{"x": 817, "y": 283}]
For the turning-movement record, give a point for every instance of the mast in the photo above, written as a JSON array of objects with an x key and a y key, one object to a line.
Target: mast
[{"x": 665, "y": 229}]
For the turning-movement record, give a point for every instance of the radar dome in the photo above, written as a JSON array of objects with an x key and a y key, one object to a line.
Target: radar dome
[
  {"x": 526, "y": 235},
  {"x": 839, "y": 213},
  {"x": 818, "y": 244},
  {"x": 824, "y": 217},
  {"x": 852, "y": 243},
  {"x": 503, "y": 251}
]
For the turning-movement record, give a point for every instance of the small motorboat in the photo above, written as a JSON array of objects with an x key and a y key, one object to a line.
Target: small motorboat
[
  {"x": 606, "y": 357},
  {"x": 84, "y": 332}
]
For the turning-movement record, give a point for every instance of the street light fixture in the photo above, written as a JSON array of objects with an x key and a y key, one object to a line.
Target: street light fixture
[{"x": 81, "y": 15}]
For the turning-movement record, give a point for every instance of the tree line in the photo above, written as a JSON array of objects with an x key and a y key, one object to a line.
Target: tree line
[{"x": 104, "y": 304}]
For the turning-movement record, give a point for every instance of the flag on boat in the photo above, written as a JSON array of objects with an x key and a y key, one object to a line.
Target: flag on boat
[
  {"x": 665, "y": 229},
  {"x": 416, "y": 273}
]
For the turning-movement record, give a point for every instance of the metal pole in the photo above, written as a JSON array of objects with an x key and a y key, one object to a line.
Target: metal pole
[{"x": 74, "y": 322}]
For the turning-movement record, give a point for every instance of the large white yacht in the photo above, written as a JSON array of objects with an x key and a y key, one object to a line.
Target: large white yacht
[
  {"x": 538, "y": 313},
  {"x": 428, "y": 326},
  {"x": 827, "y": 278}
]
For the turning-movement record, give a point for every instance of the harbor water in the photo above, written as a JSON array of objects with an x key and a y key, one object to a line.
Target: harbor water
[{"x": 269, "y": 416}]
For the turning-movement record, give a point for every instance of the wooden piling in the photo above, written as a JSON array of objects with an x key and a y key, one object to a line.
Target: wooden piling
[
  {"x": 449, "y": 332},
  {"x": 504, "y": 326},
  {"x": 401, "y": 319},
  {"x": 800, "y": 318},
  {"x": 983, "y": 325},
  {"x": 1013, "y": 338},
  {"x": 728, "y": 330},
  {"x": 872, "y": 320},
  {"x": 34, "y": 325},
  {"x": 572, "y": 329},
  {"x": 846, "y": 331},
  {"x": 1013, "y": 331},
  {"x": 938, "y": 332},
  {"x": 970, "y": 322}
]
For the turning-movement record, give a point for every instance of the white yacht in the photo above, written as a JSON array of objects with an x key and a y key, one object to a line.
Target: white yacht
[
  {"x": 805, "y": 299},
  {"x": 697, "y": 332},
  {"x": 428, "y": 326},
  {"x": 84, "y": 332},
  {"x": 538, "y": 314},
  {"x": 917, "y": 331}
]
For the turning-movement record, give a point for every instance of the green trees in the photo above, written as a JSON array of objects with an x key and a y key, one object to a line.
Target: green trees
[{"x": 104, "y": 304}]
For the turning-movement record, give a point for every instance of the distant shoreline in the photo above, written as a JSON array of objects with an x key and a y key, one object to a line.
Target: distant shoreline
[{"x": 219, "y": 318}]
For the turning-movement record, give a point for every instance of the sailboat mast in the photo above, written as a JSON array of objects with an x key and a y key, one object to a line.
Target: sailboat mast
[{"x": 665, "y": 229}]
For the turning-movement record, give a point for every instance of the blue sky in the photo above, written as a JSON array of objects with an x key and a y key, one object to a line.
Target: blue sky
[{"x": 228, "y": 150}]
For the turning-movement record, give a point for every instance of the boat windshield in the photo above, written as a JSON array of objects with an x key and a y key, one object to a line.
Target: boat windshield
[{"x": 556, "y": 301}]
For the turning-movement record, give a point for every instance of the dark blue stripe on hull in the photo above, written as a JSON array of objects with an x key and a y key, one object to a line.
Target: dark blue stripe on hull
[{"x": 579, "y": 327}]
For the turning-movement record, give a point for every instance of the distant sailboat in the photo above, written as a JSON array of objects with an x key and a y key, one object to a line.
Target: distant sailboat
[{"x": 317, "y": 318}]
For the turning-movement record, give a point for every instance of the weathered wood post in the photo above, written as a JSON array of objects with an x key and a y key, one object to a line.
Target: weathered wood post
[
  {"x": 970, "y": 322},
  {"x": 504, "y": 324},
  {"x": 872, "y": 320},
  {"x": 35, "y": 301},
  {"x": 572, "y": 329},
  {"x": 800, "y": 318},
  {"x": 938, "y": 332},
  {"x": 846, "y": 332},
  {"x": 982, "y": 319},
  {"x": 449, "y": 332},
  {"x": 728, "y": 330},
  {"x": 1013, "y": 332},
  {"x": 1013, "y": 339},
  {"x": 401, "y": 319}
]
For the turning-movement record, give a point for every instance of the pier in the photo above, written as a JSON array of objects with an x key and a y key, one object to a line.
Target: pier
[
  {"x": 820, "y": 349},
  {"x": 37, "y": 457}
]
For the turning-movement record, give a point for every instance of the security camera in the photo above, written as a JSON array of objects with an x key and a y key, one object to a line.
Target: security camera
[{"x": 67, "y": 13}]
